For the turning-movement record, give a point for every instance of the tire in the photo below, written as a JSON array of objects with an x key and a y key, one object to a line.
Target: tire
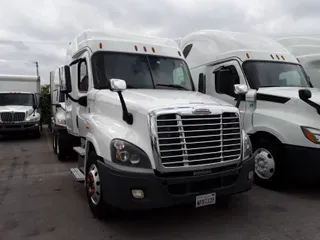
[
  {"x": 61, "y": 151},
  {"x": 37, "y": 133},
  {"x": 93, "y": 188},
  {"x": 269, "y": 162},
  {"x": 54, "y": 142}
]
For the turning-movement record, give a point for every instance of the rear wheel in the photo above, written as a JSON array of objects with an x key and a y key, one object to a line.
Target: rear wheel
[
  {"x": 61, "y": 150},
  {"x": 269, "y": 164},
  {"x": 96, "y": 203},
  {"x": 54, "y": 142},
  {"x": 37, "y": 133}
]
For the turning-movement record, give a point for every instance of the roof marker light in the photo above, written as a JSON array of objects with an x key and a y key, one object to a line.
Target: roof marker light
[
  {"x": 278, "y": 57},
  {"x": 247, "y": 54},
  {"x": 179, "y": 53},
  {"x": 271, "y": 56},
  {"x": 283, "y": 57},
  {"x": 144, "y": 48},
  {"x": 135, "y": 47},
  {"x": 153, "y": 49},
  {"x": 100, "y": 45}
]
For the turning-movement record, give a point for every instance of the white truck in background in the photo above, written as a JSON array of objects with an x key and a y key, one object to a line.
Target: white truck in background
[
  {"x": 19, "y": 102},
  {"x": 146, "y": 138},
  {"x": 307, "y": 51},
  {"x": 60, "y": 136},
  {"x": 280, "y": 111}
]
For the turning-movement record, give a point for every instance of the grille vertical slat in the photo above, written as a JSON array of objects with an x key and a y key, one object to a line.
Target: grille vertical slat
[
  {"x": 194, "y": 140},
  {"x": 12, "y": 117}
]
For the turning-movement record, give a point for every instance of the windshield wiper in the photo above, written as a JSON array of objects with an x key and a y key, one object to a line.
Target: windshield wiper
[{"x": 173, "y": 86}]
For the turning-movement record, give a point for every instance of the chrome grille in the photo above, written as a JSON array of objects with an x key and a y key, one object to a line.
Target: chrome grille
[
  {"x": 6, "y": 116},
  {"x": 19, "y": 116},
  {"x": 192, "y": 140},
  {"x": 10, "y": 117}
]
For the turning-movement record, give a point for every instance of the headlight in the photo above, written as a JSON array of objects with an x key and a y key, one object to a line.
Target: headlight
[
  {"x": 33, "y": 118},
  {"x": 127, "y": 154},
  {"x": 312, "y": 134},
  {"x": 247, "y": 146},
  {"x": 61, "y": 121}
]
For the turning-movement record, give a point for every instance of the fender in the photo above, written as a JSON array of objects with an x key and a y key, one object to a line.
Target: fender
[
  {"x": 91, "y": 139},
  {"x": 268, "y": 130}
]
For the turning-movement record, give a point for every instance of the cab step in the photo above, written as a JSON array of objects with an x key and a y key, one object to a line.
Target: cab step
[
  {"x": 78, "y": 174},
  {"x": 80, "y": 150}
]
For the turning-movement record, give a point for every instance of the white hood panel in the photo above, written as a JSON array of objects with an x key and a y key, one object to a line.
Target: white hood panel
[
  {"x": 14, "y": 108},
  {"x": 143, "y": 100},
  {"x": 290, "y": 92}
]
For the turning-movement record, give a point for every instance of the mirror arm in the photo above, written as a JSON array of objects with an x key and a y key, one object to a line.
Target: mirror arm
[
  {"x": 312, "y": 104},
  {"x": 126, "y": 116},
  {"x": 239, "y": 98},
  {"x": 72, "y": 99}
]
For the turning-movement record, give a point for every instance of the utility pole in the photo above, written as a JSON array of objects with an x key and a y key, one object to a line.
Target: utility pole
[{"x": 37, "y": 68}]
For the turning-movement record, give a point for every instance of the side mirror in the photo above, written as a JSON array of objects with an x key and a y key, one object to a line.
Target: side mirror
[
  {"x": 83, "y": 101},
  {"x": 117, "y": 85},
  {"x": 240, "y": 89},
  {"x": 57, "y": 105},
  {"x": 305, "y": 94},
  {"x": 202, "y": 83},
  {"x": 67, "y": 79}
]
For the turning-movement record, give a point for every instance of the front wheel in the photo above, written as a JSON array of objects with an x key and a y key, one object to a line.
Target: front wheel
[
  {"x": 94, "y": 188},
  {"x": 269, "y": 164}
]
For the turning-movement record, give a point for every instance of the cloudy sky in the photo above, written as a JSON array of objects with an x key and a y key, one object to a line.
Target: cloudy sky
[{"x": 33, "y": 30}]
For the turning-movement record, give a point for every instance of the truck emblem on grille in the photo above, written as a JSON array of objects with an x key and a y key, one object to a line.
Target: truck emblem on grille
[{"x": 201, "y": 111}]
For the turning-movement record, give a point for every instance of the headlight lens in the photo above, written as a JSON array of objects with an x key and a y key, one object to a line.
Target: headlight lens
[
  {"x": 33, "y": 118},
  {"x": 247, "y": 146},
  {"x": 312, "y": 134},
  {"x": 61, "y": 121},
  {"x": 127, "y": 154}
]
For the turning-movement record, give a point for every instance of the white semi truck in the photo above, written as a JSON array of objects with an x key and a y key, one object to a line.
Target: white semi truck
[
  {"x": 146, "y": 137},
  {"x": 307, "y": 51},
  {"x": 19, "y": 102},
  {"x": 60, "y": 136},
  {"x": 280, "y": 111}
]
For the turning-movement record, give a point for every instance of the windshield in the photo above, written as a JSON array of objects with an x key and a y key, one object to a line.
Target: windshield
[
  {"x": 24, "y": 99},
  {"x": 141, "y": 71},
  {"x": 275, "y": 74}
]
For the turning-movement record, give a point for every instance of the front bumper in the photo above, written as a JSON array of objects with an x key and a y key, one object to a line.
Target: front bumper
[
  {"x": 302, "y": 162},
  {"x": 18, "y": 127},
  {"x": 164, "y": 191}
]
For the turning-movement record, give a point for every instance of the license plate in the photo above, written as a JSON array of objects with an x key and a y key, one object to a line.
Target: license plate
[{"x": 205, "y": 200}]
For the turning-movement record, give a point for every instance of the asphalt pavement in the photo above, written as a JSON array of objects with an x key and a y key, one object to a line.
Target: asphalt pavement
[{"x": 39, "y": 199}]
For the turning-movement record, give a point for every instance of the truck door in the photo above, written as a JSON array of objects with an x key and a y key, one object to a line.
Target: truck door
[
  {"x": 221, "y": 79},
  {"x": 83, "y": 84}
]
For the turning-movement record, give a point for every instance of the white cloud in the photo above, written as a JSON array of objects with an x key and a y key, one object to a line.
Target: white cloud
[{"x": 40, "y": 31}]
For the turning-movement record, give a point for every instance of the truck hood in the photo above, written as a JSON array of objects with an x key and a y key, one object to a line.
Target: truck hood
[
  {"x": 142, "y": 100},
  {"x": 14, "y": 108},
  {"x": 290, "y": 92}
]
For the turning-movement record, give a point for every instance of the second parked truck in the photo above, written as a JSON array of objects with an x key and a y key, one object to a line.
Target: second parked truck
[{"x": 146, "y": 138}]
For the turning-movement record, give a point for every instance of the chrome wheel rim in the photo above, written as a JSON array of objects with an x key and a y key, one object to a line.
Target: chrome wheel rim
[
  {"x": 264, "y": 163},
  {"x": 93, "y": 184}
]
